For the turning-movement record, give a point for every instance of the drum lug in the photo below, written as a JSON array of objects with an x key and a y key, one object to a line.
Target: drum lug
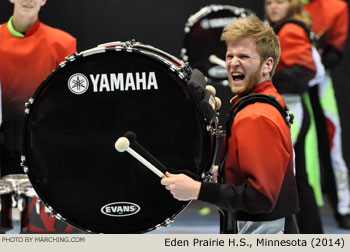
[
  {"x": 23, "y": 164},
  {"x": 71, "y": 58},
  {"x": 168, "y": 222},
  {"x": 130, "y": 43},
  {"x": 25, "y": 169},
  {"x": 28, "y": 104},
  {"x": 186, "y": 69},
  {"x": 59, "y": 217}
]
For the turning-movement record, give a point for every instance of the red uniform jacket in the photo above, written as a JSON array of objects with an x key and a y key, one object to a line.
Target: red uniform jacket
[
  {"x": 259, "y": 177},
  {"x": 26, "y": 62}
]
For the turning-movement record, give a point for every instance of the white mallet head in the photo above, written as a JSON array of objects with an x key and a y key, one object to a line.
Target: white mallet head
[
  {"x": 217, "y": 103},
  {"x": 122, "y": 144},
  {"x": 211, "y": 89}
]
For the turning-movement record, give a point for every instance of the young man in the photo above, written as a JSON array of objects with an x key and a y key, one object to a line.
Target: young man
[
  {"x": 259, "y": 187},
  {"x": 29, "y": 52}
]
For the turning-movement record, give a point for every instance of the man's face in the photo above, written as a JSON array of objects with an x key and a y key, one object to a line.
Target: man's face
[
  {"x": 243, "y": 65},
  {"x": 27, "y": 7}
]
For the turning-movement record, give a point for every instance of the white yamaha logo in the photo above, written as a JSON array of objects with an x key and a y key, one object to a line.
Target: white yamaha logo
[{"x": 78, "y": 83}]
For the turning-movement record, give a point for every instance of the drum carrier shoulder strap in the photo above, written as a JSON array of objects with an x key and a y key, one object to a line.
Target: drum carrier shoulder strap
[{"x": 252, "y": 98}]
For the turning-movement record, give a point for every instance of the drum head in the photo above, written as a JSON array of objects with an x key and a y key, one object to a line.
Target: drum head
[
  {"x": 202, "y": 39},
  {"x": 77, "y": 115}
]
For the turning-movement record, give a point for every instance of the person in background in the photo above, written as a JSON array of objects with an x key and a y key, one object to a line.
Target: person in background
[
  {"x": 259, "y": 188},
  {"x": 29, "y": 51},
  {"x": 330, "y": 22},
  {"x": 294, "y": 72}
]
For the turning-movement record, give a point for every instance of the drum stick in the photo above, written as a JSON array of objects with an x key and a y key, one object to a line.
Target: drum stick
[
  {"x": 215, "y": 60},
  {"x": 131, "y": 136},
  {"x": 123, "y": 144}
]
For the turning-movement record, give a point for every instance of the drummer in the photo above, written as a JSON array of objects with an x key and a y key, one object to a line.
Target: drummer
[
  {"x": 32, "y": 50},
  {"x": 259, "y": 188}
]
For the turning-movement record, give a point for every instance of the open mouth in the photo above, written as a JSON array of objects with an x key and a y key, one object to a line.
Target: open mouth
[{"x": 238, "y": 77}]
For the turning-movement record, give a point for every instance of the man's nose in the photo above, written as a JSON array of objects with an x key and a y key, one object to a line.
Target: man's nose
[{"x": 234, "y": 61}]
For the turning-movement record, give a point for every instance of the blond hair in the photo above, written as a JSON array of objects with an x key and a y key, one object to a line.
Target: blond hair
[
  {"x": 252, "y": 28},
  {"x": 296, "y": 11}
]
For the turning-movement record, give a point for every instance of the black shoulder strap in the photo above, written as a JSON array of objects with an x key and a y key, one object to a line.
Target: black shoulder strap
[
  {"x": 310, "y": 33},
  {"x": 252, "y": 98}
]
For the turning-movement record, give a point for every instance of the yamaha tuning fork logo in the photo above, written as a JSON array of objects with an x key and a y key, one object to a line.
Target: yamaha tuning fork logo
[{"x": 78, "y": 83}]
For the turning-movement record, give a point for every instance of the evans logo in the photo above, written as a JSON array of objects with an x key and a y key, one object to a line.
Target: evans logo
[{"x": 120, "y": 209}]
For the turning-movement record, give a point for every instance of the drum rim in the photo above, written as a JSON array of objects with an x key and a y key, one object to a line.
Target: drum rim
[{"x": 212, "y": 8}]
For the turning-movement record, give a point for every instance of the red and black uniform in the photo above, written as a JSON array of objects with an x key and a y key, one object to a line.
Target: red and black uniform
[
  {"x": 330, "y": 21},
  {"x": 259, "y": 183},
  {"x": 25, "y": 62}
]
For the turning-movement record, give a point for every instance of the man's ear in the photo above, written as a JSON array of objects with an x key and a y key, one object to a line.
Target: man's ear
[
  {"x": 267, "y": 65},
  {"x": 11, "y": 1},
  {"x": 43, "y": 3}
]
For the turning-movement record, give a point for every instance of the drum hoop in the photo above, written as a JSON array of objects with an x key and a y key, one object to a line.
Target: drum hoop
[{"x": 209, "y": 9}]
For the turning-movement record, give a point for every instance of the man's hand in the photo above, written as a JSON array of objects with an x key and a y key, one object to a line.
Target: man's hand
[{"x": 181, "y": 186}]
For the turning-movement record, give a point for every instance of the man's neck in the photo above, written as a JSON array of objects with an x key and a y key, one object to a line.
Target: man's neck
[{"x": 23, "y": 24}]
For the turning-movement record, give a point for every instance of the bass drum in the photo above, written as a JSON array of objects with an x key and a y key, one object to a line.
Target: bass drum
[
  {"x": 74, "y": 118},
  {"x": 202, "y": 46}
]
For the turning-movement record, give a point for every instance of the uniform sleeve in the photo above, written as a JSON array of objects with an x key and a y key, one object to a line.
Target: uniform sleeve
[
  {"x": 263, "y": 161},
  {"x": 296, "y": 48},
  {"x": 338, "y": 34}
]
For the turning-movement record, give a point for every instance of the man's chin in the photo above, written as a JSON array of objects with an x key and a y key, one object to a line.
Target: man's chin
[{"x": 238, "y": 91}]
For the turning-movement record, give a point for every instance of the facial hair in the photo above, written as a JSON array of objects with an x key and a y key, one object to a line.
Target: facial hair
[{"x": 253, "y": 80}]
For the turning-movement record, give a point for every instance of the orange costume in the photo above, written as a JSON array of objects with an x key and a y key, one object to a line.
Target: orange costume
[{"x": 26, "y": 60}]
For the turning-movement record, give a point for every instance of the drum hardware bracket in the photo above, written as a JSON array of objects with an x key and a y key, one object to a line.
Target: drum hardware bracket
[
  {"x": 166, "y": 223},
  {"x": 208, "y": 176},
  {"x": 186, "y": 69},
  {"x": 69, "y": 58},
  {"x": 130, "y": 43},
  {"x": 28, "y": 104},
  {"x": 216, "y": 131},
  {"x": 23, "y": 164}
]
